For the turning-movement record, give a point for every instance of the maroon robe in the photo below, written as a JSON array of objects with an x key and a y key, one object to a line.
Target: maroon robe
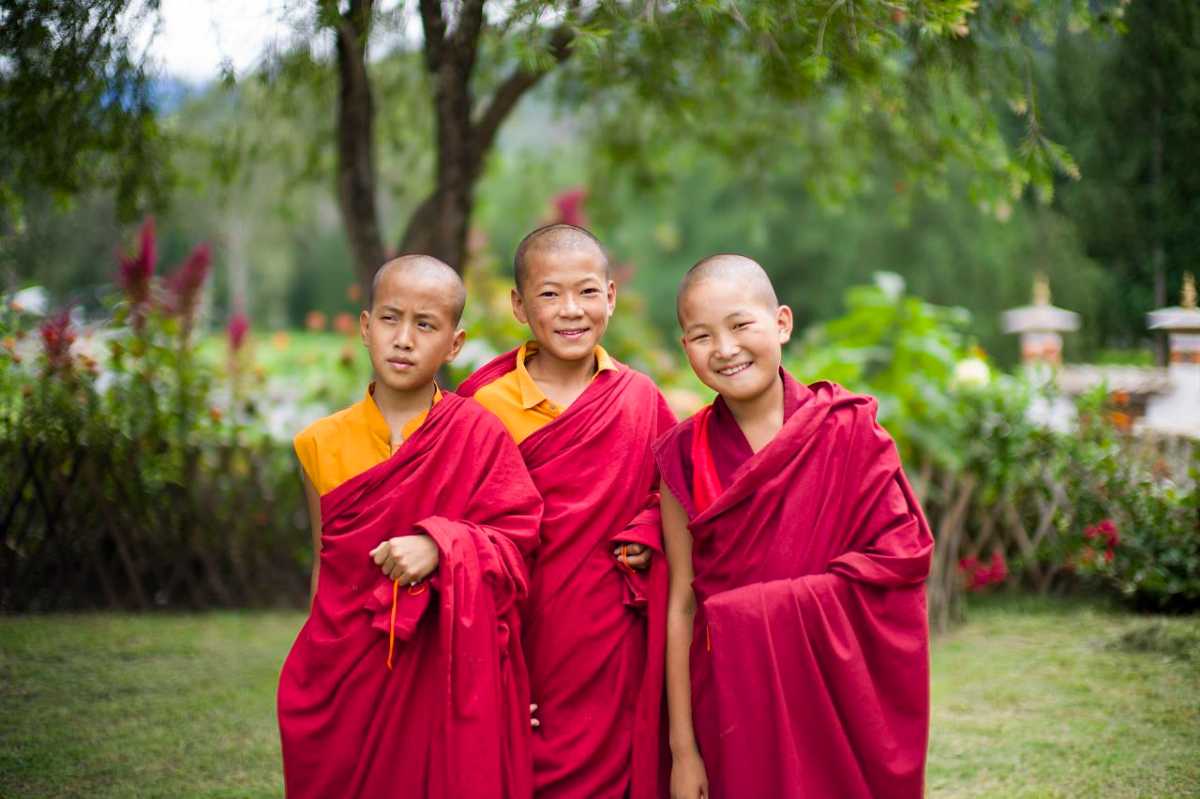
[
  {"x": 594, "y": 631},
  {"x": 810, "y": 651},
  {"x": 446, "y": 715}
]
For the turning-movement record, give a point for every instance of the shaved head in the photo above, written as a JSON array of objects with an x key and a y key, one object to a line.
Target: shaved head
[
  {"x": 554, "y": 238},
  {"x": 729, "y": 267},
  {"x": 424, "y": 267}
]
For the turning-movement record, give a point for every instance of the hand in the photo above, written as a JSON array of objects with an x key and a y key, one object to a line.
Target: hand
[
  {"x": 407, "y": 558},
  {"x": 533, "y": 720},
  {"x": 688, "y": 778},
  {"x": 636, "y": 555}
]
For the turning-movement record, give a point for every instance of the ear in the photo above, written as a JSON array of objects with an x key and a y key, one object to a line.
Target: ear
[
  {"x": 364, "y": 323},
  {"x": 456, "y": 344},
  {"x": 612, "y": 298},
  {"x": 784, "y": 321},
  {"x": 518, "y": 306}
]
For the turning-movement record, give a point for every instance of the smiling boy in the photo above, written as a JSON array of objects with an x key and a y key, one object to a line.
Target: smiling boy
[
  {"x": 594, "y": 620},
  {"x": 797, "y": 641}
]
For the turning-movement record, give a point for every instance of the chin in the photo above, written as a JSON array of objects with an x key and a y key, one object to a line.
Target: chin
[{"x": 407, "y": 382}]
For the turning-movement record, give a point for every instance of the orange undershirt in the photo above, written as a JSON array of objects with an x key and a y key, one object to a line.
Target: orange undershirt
[
  {"x": 334, "y": 449},
  {"x": 518, "y": 403}
]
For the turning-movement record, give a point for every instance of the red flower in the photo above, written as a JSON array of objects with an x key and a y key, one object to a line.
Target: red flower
[
  {"x": 136, "y": 270},
  {"x": 980, "y": 575},
  {"x": 186, "y": 282},
  {"x": 239, "y": 325},
  {"x": 569, "y": 206},
  {"x": 57, "y": 337}
]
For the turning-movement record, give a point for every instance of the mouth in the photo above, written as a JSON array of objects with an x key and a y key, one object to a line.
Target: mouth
[
  {"x": 400, "y": 364},
  {"x": 573, "y": 334},
  {"x": 730, "y": 371}
]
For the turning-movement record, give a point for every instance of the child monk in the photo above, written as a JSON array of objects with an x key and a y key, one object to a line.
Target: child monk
[
  {"x": 797, "y": 641},
  {"x": 408, "y": 678},
  {"x": 594, "y": 633}
]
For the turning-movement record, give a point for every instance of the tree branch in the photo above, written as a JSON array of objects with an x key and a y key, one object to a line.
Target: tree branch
[
  {"x": 512, "y": 89},
  {"x": 465, "y": 37},
  {"x": 434, "y": 25}
]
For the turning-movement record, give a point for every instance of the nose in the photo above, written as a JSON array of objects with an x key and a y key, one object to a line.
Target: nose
[
  {"x": 727, "y": 347},
  {"x": 403, "y": 338},
  {"x": 571, "y": 306}
]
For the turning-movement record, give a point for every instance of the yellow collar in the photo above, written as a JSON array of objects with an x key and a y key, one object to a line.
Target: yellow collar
[
  {"x": 531, "y": 395},
  {"x": 375, "y": 421}
]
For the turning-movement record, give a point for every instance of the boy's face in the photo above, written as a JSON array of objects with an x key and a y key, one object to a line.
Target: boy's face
[
  {"x": 566, "y": 300},
  {"x": 733, "y": 339},
  {"x": 410, "y": 331}
]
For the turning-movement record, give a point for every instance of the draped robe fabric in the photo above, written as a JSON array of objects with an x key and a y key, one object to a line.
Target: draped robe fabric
[
  {"x": 595, "y": 631},
  {"x": 450, "y": 717},
  {"x": 810, "y": 653}
]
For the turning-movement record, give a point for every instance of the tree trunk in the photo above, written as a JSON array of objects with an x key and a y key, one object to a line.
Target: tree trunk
[
  {"x": 441, "y": 222},
  {"x": 439, "y": 225},
  {"x": 356, "y": 176}
]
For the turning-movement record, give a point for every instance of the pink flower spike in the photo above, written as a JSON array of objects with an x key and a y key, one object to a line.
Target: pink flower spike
[
  {"x": 569, "y": 205},
  {"x": 187, "y": 281},
  {"x": 239, "y": 325}
]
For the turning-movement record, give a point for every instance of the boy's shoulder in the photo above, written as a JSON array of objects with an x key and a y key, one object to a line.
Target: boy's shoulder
[{"x": 334, "y": 427}]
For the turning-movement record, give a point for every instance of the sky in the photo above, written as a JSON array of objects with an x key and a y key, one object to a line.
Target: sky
[{"x": 195, "y": 38}]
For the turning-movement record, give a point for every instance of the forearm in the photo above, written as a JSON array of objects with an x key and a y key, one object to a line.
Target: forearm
[{"x": 679, "y": 686}]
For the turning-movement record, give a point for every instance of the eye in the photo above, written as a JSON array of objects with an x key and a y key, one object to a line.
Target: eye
[
  {"x": 740, "y": 325},
  {"x": 423, "y": 325},
  {"x": 591, "y": 291},
  {"x": 546, "y": 295},
  {"x": 387, "y": 317},
  {"x": 701, "y": 337}
]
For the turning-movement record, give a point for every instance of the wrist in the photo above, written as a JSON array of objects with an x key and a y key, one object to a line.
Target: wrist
[{"x": 685, "y": 751}]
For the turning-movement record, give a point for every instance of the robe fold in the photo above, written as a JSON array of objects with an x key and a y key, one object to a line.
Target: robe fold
[
  {"x": 595, "y": 631},
  {"x": 449, "y": 717},
  {"x": 810, "y": 652}
]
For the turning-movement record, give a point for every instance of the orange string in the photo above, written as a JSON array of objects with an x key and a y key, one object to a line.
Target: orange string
[
  {"x": 625, "y": 558},
  {"x": 392, "y": 625},
  {"x": 419, "y": 591},
  {"x": 708, "y": 638}
]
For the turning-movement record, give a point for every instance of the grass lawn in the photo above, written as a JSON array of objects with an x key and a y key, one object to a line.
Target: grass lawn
[{"x": 1032, "y": 698}]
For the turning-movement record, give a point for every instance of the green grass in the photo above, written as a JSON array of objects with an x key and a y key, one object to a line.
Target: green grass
[{"x": 1032, "y": 698}]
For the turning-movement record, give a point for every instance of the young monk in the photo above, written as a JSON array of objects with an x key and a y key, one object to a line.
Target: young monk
[
  {"x": 408, "y": 678},
  {"x": 595, "y": 617},
  {"x": 797, "y": 641}
]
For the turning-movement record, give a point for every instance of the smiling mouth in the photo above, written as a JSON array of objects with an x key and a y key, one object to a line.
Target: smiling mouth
[
  {"x": 730, "y": 371},
  {"x": 400, "y": 364},
  {"x": 574, "y": 333}
]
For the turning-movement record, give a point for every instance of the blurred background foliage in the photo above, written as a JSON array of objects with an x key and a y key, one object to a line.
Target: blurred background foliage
[{"x": 901, "y": 169}]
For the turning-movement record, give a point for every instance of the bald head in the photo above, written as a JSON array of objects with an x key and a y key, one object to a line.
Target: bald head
[
  {"x": 559, "y": 237},
  {"x": 424, "y": 268},
  {"x": 728, "y": 267}
]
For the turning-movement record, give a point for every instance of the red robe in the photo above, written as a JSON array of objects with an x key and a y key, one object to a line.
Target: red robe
[
  {"x": 450, "y": 718},
  {"x": 595, "y": 633},
  {"x": 810, "y": 652}
]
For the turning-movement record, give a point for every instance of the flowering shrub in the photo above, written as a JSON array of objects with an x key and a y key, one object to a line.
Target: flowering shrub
[
  {"x": 978, "y": 574},
  {"x": 126, "y": 483}
]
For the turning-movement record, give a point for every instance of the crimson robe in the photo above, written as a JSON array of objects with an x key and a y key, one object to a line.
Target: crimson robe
[
  {"x": 595, "y": 632},
  {"x": 446, "y": 715},
  {"x": 810, "y": 652}
]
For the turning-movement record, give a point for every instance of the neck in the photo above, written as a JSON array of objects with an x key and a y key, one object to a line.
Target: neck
[
  {"x": 762, "y": 411},
  {"x": 393, "y": 403},
  {"x": 545, "y": 368}
]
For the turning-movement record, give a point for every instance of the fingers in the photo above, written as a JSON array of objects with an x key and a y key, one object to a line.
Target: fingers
[
  {"x": 533, "y": 721},
  {"x": 636, "y": 556},
  {"x": 640, "y": 562},
  {"x": 379, "y": 553}
]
